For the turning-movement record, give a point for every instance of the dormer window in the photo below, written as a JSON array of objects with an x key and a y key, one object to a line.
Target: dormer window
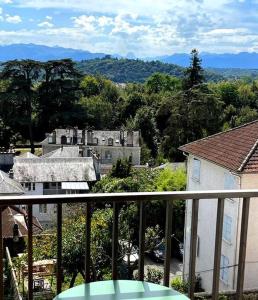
[
  {"x": 50, "y": 139},
  {"x": 63, "y": 140},
  {"x": 110, "y": 142},
  {"x": 95, "y": 141}
]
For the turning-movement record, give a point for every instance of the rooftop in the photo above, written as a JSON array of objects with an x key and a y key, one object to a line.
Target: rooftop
[
  {"x": 13, "y": 215},
  {"x": 54, "y": 169},
  {"x": 9, "y": 186},
  {"x": 234, "y": 149}
]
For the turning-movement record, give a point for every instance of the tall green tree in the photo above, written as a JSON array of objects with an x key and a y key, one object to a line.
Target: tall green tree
[
  {"x": 58, "y": 95},
  {"x": 145, "y": 122},
  {"x": 21, "y": 92},
  {"x": 194, "y": 73},
  {"x": 186, "y": 117}
]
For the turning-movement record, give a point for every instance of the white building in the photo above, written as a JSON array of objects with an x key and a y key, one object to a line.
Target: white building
[
  {"x": 109, "y": 145},
  {"x": 228, "y": 160},
  {"x": 59, "y": 172}
]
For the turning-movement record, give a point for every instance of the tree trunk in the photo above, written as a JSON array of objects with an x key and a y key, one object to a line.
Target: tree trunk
[{"x": 73, "y": 280}]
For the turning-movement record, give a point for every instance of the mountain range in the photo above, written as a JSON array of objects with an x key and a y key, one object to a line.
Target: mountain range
[
  {"x": 44, "y": 53},
  {"x": 242, "y": 60}
]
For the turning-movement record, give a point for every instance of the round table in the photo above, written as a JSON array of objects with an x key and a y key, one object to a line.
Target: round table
[{"x": 120, "y": 289}]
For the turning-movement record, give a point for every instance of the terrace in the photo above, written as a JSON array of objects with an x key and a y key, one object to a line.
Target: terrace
[{"x": 141, "y": 198}]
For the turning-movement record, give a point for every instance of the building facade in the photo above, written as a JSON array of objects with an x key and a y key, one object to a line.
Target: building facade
[
  {"x": 224, "y": 161},
  {"x": 108, "y": 145},
  {"x": 61, "y": 171}
]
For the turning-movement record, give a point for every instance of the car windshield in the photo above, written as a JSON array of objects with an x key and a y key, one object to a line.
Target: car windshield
[{"x": 161, "y": 247}]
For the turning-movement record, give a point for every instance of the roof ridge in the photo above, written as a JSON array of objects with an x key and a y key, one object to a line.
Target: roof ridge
[
  {"x": 249, "y": 155},
  {"x": 220, "y": 133}
]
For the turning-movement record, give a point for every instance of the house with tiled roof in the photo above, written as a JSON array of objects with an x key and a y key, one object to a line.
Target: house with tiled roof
[
  {"x": 61, "y": 171},
  {"x": 14, "y": 219},
  {"x": 227, "y": 160}
]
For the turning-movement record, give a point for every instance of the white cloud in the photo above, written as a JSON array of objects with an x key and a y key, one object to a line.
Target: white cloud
[
  {"x": 45, "y": 24},
  {"x": 87, "y": 23},
  {"x": 13, "y": 19},
  {"x": 6, "y": 1},
  {"x": 226, "y": 32},
  {"x": 146, "y": 27},
  {"x": 105, "y": 21}
]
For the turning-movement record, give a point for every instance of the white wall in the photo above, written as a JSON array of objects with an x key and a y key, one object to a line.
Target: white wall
[
  {"x": 211, "y": 178},
  {"x": 250, "y": 181},
  {"x": 45, "y": 219}
]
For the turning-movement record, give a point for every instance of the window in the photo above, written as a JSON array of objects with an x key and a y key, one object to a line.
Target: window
[
  {"x": 52, "y": 185},
  {"x": 130, "y": 138},
  {"x": 196, "y": 169},
  {"x": 110, "y": 142},
  {"x": 95, "y": 141},
  {"x": 224, "y": 268},
  {"x": 63, "y": 140},
  {"x": 230, "y": 181},
  {"x": 108, "y": 155},
  {"x": 50, "y": 139},
  {"x": 33, "y": 186},
  {"x": 227, "y": 228},
  {"x": 46, "y": 185},
  {"x": 43, "y": 208}
]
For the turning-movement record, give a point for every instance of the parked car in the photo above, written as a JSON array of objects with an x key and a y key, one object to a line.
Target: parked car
[{"x": 158, "y": 253}]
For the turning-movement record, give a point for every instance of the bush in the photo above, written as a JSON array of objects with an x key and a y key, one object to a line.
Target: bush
[
  {"x": 153, "y": 275},
  {"x": 179, "y": 285}
]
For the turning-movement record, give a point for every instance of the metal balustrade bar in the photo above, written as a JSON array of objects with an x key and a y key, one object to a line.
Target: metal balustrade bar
[
  {"x": 193, "y": 244},
  {"x": 1, "y": 258},
  {"x": 30, "y": 254},
  {"x": 125, "y": 197},
  {"x": 141, "y": 198},
  {"x": 59, "y": 249},
  {"x": 242, "y": 248},
  {"x": 217, "y": 252},
  {"x": 115, "y": 241},
  {"x": 88, "y": 239},
  {"x": 168, "y": 234},
  {"x": 141, "y": 241}
]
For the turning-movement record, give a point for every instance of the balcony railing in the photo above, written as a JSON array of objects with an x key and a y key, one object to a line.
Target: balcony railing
[{"x": 141, "y": 198}]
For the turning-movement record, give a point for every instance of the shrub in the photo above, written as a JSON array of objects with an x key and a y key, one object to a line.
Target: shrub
[
  {"x": 153, "y": 275},
  {"x": 179, "y": 285}
]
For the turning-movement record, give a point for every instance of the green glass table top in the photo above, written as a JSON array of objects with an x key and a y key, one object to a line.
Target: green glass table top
[{"x": 120, "y": 289}]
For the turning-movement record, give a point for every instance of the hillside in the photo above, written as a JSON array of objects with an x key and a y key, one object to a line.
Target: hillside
[
  {"x": 235, "y": 73},
  {"x": 133, "y": 70}
]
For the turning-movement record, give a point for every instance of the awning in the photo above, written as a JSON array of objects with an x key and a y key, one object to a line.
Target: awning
[{"x": 75, "y": 186}]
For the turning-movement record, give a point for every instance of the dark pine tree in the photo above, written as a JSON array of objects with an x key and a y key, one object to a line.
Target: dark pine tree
[{"x": 194, "y": 73}]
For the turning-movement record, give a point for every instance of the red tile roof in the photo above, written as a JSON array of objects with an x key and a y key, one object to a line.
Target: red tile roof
[
  {"x": 235, "y": 149},
  {"x": 13, "y": 215}
]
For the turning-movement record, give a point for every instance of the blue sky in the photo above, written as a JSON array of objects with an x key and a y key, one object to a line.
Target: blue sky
[{"x": 144, "y": 27}]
